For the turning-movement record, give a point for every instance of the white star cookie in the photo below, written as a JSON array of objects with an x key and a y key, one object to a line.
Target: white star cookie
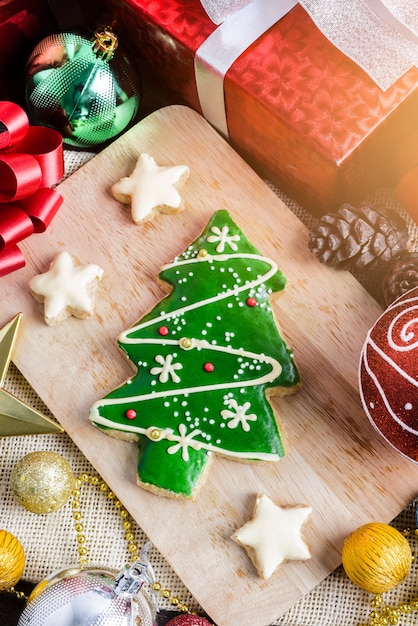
[
  {"x": 151, "y": 188},
  {"x": 66, "y": 289},
  {"x": 274, "y": 535}
]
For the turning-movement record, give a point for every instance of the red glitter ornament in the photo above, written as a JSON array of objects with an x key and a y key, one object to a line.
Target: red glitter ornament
[
  {"x": 251, "y": 302},
  {"x": 163, "y": 330},
  {"x": 209, "y": 367},
  {"x": 130, "y": 414},
  {"x": 188, "y": 620},
  {"x": 388, "y": 374}
]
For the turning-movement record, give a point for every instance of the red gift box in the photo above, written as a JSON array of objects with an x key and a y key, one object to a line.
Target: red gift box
[{"x": 298, "y": 110}]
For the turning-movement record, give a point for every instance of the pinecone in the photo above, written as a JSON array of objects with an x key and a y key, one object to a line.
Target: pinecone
[
  {"x": 402, "y": 275},
  {"x": 356, "y": 237}
]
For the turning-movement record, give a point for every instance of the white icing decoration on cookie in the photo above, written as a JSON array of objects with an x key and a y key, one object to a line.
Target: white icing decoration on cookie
[
  {"x": 66, "y": 288},
  {"x": 274, "y": 535},
  {"x": 167, "y": 369},
  {"x": 221, "y": 235},
  {"x": 268, "y": 377},
  {"x": 184, "y": 441},
  {"x": 150, "y": 188},
  {"x": 124, "y": 337},
  {"x": 194, "y": 343},
  {"x": 238, "y": 415}
]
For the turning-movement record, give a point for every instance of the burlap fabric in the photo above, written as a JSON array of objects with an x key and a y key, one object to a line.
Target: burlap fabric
[{"x": 50, "y": 540}]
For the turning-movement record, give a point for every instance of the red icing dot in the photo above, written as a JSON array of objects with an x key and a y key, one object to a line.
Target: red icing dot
[
  {"x": 251, "y": 302},
  {"x": 130, "y": 414},
  {"x": 208, "y": 367},
  {"x": 163, "y": 330}
]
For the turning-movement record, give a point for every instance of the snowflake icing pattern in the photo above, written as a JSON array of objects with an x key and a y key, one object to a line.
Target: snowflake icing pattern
[
  {"x": 223, "y": 238},
  {"x": 238, "y": 415},
  {"x": 167, "y": 369},
  {"x": 184, "y": 442}
]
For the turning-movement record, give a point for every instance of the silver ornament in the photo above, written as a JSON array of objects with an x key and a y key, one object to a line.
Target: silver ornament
[{"x": 92, "y": 597}]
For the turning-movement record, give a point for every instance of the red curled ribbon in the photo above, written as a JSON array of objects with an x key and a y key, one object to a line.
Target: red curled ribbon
[{"x": 31, "y": 161}]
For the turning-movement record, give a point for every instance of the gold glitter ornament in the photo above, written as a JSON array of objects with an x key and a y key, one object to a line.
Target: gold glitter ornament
[
  {"x": 42, "y": 481},
  {"x": 376, "y": 557},
  {"x": 12, "y": 560}
]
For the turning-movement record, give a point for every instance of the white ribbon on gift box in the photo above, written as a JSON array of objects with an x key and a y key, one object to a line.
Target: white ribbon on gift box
[
  {"x": 220, "y": 10},
  {"x": 381, "y": 36},
  {"x": 223, "y": 47}
]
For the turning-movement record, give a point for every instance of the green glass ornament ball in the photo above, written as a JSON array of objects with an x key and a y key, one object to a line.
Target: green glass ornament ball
[{"x": 86, "y": 89}]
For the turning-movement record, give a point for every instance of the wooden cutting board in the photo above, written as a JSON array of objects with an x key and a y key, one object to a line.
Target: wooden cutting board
[{"x": 335, "y": 460}]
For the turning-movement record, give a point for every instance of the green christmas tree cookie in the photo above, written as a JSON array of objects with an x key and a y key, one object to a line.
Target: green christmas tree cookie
[{"x": 207, "y": 356}]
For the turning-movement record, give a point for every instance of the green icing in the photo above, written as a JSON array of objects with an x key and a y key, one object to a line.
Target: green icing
[
  {"x": 181, "y": 479},
  {"x": 184, "y": 412}
]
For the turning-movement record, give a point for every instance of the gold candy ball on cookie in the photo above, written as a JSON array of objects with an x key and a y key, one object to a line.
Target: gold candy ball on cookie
[
  {"x": 42, "y": 481},
  {"x": 376, "y": 557},
  {"x": 12, "y": 560}
]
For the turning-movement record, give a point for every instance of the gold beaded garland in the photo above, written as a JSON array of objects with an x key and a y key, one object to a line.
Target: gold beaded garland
[
  {"x": 127, "y": 525},
  {"x": 9, "y": 578}
]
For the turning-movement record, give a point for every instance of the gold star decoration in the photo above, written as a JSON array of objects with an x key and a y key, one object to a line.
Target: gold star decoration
[
  {"x": 274, "y": 535},
  {"x": 16, "y": 417},
  {"x": 151, "y": 188}
]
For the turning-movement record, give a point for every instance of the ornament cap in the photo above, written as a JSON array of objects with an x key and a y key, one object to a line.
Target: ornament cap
[
  {"x": 105, "y": 43},
  {"x": 129, "y": 581},
  {"x": 78, "y": 97}
]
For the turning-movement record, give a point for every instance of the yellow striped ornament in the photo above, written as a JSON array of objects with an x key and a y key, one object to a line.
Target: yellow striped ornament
[
  {"x": 12, "y": 560},
  {"x": 376, "y": 557}
]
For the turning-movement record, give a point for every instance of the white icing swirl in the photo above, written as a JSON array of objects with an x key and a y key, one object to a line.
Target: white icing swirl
[
  {"x": 183, "y": 440},
  {"x": 124, "y": 337}
]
